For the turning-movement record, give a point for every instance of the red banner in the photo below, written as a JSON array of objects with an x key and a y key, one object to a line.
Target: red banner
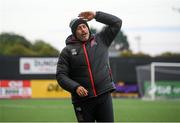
[{"x": 15, "y": 89}]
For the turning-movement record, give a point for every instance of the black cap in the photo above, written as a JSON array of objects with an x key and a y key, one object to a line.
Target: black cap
[{"x": 74, "y": 24}]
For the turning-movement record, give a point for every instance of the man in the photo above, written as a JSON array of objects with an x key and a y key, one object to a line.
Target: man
[{"x": 83, "y": 67}]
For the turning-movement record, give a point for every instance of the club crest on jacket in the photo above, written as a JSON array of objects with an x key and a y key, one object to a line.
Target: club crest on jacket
[{"x": 74, "y": 52}]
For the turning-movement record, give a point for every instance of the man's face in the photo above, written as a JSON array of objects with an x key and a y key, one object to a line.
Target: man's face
[{"x": 82, "y": 32}]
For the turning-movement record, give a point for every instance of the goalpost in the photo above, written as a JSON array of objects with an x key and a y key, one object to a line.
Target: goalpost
[{"x": 153, "y": 67}]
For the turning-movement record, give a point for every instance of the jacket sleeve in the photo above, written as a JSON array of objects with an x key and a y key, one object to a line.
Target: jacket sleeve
[
  {"x": 62, "y": 72},
  {"x": 111, "y": 30}
]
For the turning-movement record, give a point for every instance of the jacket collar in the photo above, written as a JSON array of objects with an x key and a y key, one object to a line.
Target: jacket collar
[{"x": 72, "y": 40}]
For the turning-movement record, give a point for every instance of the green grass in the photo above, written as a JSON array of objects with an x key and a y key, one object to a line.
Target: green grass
[{"x": 54, "y": 110}]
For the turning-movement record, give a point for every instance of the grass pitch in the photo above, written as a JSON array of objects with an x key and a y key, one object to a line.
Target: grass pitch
[{"x": 56, "y": 110}]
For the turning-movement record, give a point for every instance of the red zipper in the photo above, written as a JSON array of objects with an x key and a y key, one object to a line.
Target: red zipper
[{"x": 89, "y": 69}]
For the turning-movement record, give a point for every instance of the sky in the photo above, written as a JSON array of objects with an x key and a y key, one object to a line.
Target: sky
[{"x": 151, "y": 26}]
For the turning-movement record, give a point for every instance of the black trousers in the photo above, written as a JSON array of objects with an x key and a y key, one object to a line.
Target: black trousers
[{"x": 99, "y": 109}]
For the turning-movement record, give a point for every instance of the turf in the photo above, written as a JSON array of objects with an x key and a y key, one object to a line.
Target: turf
[{"x": 55, "y": 110}]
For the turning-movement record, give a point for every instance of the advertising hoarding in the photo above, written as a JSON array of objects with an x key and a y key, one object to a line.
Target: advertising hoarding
[
  {"x": 15, "y": 89},
  {"x": 169, "y": 89},
  {"x": 37, "y": 65},
  {"x": 47, "y": 89}
]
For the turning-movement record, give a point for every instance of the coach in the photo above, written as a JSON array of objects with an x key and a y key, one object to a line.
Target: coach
[{"x": 83, "y": 67}]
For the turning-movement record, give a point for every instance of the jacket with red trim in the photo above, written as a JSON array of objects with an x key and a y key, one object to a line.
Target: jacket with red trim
[{"x": 72, "y": 67}]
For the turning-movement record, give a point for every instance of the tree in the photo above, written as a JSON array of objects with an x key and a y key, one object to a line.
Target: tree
[
  {"x": 19, "y": 50},
  {"x": 11, "y": 39},
  {"x": 44, "y": 49},
  {"x": 13, "y": 44},
  {"x": 121, "y": 42},
  {"x": 169, "y": 54},
  {"x": 93, "y": 30}
]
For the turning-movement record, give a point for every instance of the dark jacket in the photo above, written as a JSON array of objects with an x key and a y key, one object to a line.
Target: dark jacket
[{"x": 87, "y": 64}]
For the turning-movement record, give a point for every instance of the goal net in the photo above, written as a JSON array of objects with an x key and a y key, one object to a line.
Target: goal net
[{"x": 159, "y": 80}]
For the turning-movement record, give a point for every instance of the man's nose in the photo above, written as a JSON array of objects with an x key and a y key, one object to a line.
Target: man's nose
[{"x": 83, "y": 29}]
